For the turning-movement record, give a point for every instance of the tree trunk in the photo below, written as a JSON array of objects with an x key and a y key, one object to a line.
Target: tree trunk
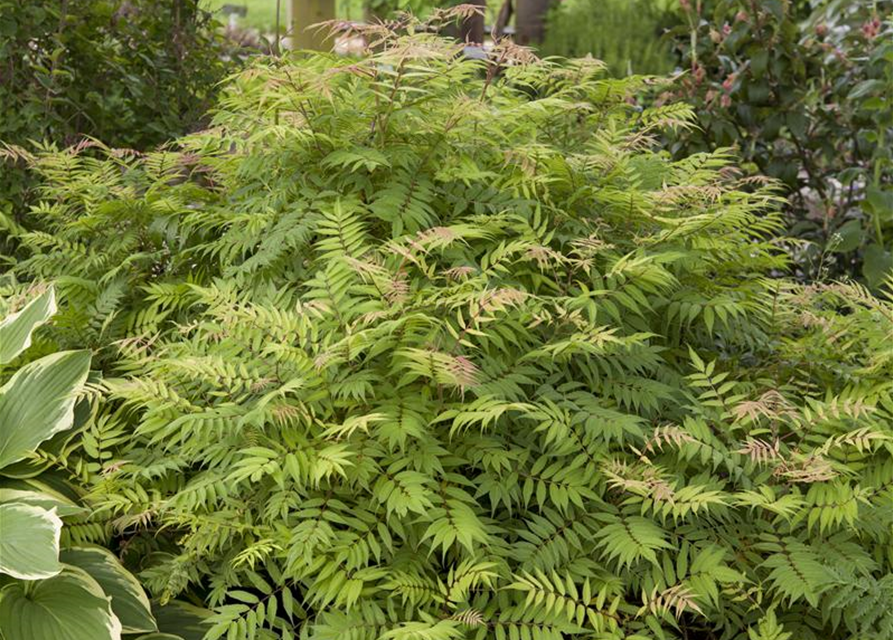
[
  {"x": 304, "y": 13},
  {"x": 530, "y": 21},
  {"x": 472, "y": 29},
  {"x": 502, "y": 18}
]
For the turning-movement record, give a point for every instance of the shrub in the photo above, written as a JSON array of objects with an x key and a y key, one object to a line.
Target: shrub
[
  {"x": 133, "y": 73},
  {"x": 411, "y": 349},
  {"x": 805, "y": 96}
]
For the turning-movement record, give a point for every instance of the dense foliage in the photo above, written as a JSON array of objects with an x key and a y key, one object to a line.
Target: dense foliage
[
  {"x": 625, "y": 34},
  {"x": 413, "y": 347},
  {"x": 806, "y": 94},
  {"x": 133, "y": 73}
]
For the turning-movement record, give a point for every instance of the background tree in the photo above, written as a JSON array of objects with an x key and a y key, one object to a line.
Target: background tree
[{"x": 530, "y": 20}]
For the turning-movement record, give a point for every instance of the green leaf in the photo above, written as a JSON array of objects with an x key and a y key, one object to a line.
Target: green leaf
[
  {"x": 25, "y": 469},
  {"x": 798, "y": 123},
  {"x": 768, "y": 629},
  {"x": 798, "y": 573},
  {"x": 182, "y": 619},
  {"x": 864, "y": 88},
  {"x": 759, "y": 62},
  {"x": 38, "y": 401},
  {"x": 355, "y": 158},
  {"x": 62, "y": 505},
  {"x": 129, "y": 601},
  {"x": 69, "y": 606},
  {"x": 16, "y": 329},
  {"x": 30, "y": 471},
  {"x": 29, "y": 546},
  {"x": 848, "y": 237},
  {"x": 877, "y": 264},
  {"x": 442, "y": 630},
  {"x": 879, "y": 202},
  {"x": 632, "y": 538}
]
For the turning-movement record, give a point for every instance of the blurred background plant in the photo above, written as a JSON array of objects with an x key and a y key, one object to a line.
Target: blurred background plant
[
  {"x": 803, "y": 90},
  {"x": 260, "y": 15},
  {"x": 624, "y": 34}
]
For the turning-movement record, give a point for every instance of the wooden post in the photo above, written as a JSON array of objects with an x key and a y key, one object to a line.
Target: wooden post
[{"x": 302, "y": 14}]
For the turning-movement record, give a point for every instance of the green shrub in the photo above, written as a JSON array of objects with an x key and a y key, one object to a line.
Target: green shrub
[
  {"x": 409, "y": 354},
  {"x": 625, "y": 34},
  {"x": 133, "y": 73},
  {"x": 805, "y": 95}
]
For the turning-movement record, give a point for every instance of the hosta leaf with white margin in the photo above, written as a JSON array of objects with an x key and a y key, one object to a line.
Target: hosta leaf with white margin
[
  {"x": 16, "y": 329},
  {"x": 29, "y": 469},
  {"x": 29, "y": 541},
  {"x": 69, "y": 606},
  {"x": 38, "y": 401},
  {"x": 44, "y": 499},
  {"x": 129, "y": 601}
]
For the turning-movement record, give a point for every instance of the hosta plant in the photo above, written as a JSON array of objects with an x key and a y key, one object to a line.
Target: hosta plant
[
  {"x": 413, "y": 347},
  {"x": 84, "y": 594}
]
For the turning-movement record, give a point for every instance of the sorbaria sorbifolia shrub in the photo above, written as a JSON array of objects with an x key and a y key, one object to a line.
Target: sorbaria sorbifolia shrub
[{"x": 414, "y": 347}]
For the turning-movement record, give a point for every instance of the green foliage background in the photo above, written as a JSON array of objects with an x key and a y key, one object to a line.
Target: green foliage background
[{"x": 403, "y": 348}]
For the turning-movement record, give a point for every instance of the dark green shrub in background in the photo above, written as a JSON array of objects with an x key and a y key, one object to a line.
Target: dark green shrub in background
[
  {"x": 133, "y": 73},
  {"x": 805, "y": 92}
]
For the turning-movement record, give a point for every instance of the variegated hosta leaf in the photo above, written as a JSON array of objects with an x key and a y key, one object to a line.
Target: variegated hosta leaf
[
  {"x": 16, "y": 329},
  {"x": 38, "y": 401},
  {"x": 29, "y": 542},
  {"x": 45, "y": 499},
  {"x": 69, "y": 606},
  {"x": 129, "y": 601}
]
